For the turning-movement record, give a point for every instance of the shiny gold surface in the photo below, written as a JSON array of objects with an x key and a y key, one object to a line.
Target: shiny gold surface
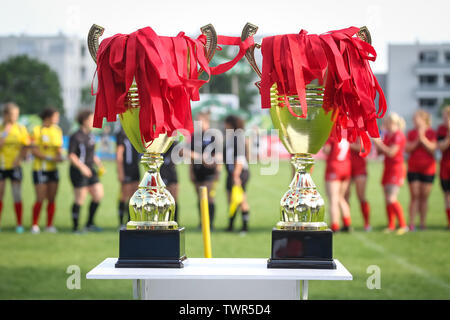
[
  {"x": 152, "y": 206},
  {"x": 300, "y": 135},
  {"x": 302, "y": 207},
  {"x": 130, "y": 124}
]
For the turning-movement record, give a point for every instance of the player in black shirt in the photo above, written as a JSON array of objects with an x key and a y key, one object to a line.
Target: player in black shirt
[
  {"x": 83, "y": 172},
  {"x": 169, "y": 176},
  {"x": 235, "y": 159},
  {"x": 204, "y": 171},
  {"x": 127, "y": 159}
]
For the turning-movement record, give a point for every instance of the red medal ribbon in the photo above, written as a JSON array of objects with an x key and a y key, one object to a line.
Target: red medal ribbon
[
  {"x": 166, "y": 71},
  {"x": 339, "y": 60}
]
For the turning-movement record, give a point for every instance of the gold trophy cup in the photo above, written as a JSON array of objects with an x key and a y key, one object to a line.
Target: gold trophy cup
[
  {"x": 301, "y": 238},
  {"x": 152, "y": 238}
]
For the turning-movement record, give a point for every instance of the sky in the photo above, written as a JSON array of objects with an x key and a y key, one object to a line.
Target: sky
[{"x": 389, "y": 21}]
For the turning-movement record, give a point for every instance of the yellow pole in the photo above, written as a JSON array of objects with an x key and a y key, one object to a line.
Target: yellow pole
[{"x": 205, "y": 221}]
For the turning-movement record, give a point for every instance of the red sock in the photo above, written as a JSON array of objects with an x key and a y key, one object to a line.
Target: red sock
[
  {"x": 1, "y": 207},
  {"x": 18, "y": 209},
  {"x": 50, "y": 213},
  {"x": 335, "y": 226},
  {"x": 365, "y": 209},
  {"x": 347, "y": 221},
  {"x": 390, "y": 210},
  {"x": 36, "y": 211},
  {"x": 448, "y": 215},
  {"x": 399, "y": 213}
]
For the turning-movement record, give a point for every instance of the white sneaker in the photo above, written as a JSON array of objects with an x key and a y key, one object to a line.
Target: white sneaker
[
  {"x": 51, "y": 229},
  {"x": 35, "y": 229}
]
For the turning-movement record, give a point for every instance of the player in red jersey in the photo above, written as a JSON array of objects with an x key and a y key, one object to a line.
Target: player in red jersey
[
  {"x": 393, "y": 146},
  {"x": 443, "y": 138},
  {"x": 421, "y": 145},
  {"x": 359, "y": 178},
  {"x": 337, "y": 178}
]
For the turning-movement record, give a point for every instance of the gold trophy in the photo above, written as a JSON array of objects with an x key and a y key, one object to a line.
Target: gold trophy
[
  {"x": 301, "y": 238},
  {"x": 152, "y": 238}
]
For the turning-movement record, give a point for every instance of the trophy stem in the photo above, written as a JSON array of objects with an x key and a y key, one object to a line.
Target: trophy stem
[
  {"x": 302, "y": 207},
  {"x": 152, "y": 207}
]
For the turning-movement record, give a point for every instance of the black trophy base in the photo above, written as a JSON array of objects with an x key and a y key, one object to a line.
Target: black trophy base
[
  {"x": 299, "y": 249},
  {"x": 151, "y": 249}
]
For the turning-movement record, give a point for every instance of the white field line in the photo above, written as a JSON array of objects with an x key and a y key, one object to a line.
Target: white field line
[{"x": 402, "y": 262}]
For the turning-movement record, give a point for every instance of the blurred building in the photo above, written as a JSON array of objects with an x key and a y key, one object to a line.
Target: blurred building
[
  {"x": 67, "y": 56},
  {"x": 418, "y": 77}
]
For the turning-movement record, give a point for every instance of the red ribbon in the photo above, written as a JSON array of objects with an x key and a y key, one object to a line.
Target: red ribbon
[
  {"x": 339, "y": 61},
  {"x": 166, "y": 71}
]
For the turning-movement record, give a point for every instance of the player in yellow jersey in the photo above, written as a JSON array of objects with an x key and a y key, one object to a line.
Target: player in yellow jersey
[
  {"x": 46, "y": 141},
  {"x": 14, "y": 140}
]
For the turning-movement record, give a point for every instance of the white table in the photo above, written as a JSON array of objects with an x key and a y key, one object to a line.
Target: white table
[{"x": 219, "y": 279}]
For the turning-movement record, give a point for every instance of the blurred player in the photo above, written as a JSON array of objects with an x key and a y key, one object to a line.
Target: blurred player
[
  {"x": 169, "y": 176},
  {"x": 127, "y": 159},
  {"x": 421, "y": 145},
  {"x": 392, "y": 147},
  {"x": 443, "y": 137},
  {"x": 236, "y": 163},
  {"x": 359, "y": 178},
  {"x": 337, "y": 179},
  {"x": 46, "y": 142},
  {"x": 14, "y": 140},
  {"x": 83, "y": 174},
  {"x": 204, "y": 170}
]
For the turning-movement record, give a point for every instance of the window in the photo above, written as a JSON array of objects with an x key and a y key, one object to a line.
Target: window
[
  {"x": 447, "y": 80},
  {"x": 428, "y": 56},
  {"x": 427, "y": 102},
  {"x": 447, "y": 57},
  {"x": 428, "y": 80}
]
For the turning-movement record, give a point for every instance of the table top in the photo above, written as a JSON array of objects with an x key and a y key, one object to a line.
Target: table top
[{"x": 218, "y": 268}]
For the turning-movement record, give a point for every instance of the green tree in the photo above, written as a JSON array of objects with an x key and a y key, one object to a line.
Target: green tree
[
  {"x": 87, "y": 100},
  {"x": 29, "y": 83}
]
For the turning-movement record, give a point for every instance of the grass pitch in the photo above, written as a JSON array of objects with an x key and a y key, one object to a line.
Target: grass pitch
[{"x": 413, "y": 266}]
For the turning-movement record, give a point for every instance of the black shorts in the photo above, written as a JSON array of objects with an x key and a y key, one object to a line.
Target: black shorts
[
  {"x": 78, "y": 180},
  {"x": 42, "y": 177},
  {"x": 245, "y": 175},
  {"x": 204, "y": 174},
  {"x": 445, "y": 184},
  {"x": 414, "y": 176},
  {"x": 169, "y": 175},
  {"x": 13, "y": 174},
  {"x": 131, "y": 175}
]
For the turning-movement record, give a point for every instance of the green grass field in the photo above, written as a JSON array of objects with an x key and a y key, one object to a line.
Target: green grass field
[{"x": 413, "y": 266}]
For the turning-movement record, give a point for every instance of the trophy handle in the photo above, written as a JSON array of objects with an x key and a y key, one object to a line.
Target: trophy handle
[
  {"x": 364, "y": 35},
  {"x": 211, "y": 40},
  {"x": 248, "y": 31},
  {"x": 94, "y": 34}
]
